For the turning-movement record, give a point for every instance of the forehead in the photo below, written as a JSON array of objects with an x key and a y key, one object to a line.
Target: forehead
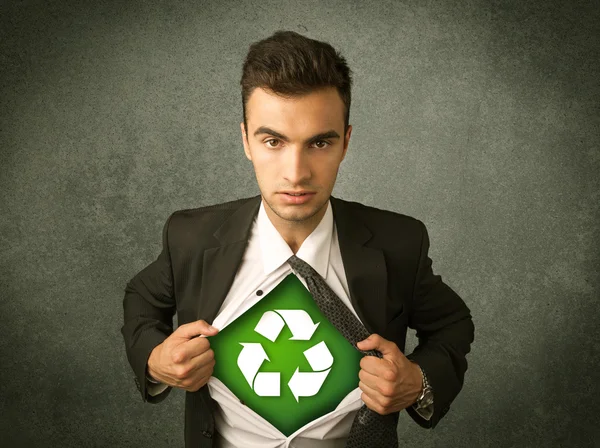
[{"x": 323, "y": 107}]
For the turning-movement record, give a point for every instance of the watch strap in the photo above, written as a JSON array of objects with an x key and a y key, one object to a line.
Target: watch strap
[{"x": 426, "y": 386}]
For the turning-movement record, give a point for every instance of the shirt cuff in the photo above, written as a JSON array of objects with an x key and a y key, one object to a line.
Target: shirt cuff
[
  {"x": 153, "y": 388},
  {"x": 152, "y": 380},
  {"x": 426, "y": 412}
]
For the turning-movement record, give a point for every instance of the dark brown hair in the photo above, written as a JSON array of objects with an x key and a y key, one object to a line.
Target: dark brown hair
[{"x": 290, "y": 64}]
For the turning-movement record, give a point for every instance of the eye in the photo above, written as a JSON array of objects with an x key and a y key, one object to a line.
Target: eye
[
  {"x": 323, "y": 141},
  {"x": 318, "y": 141},
  {"x": 271, "y": 140}
]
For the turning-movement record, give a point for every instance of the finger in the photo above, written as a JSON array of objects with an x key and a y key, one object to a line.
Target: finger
[
  {"x": 199, "y": 382},
  {"x": 195, "y": 347},
  {"x": 371, "y": 403},
  {"x": 195, "y": 329},
  {"x": 373, "y": 394},
  {"x": 376, "y": 342},
  {"x": 205, "y": 357},
  {"x": 368, "y": 379},
  {"x": 196, "y": 367},
  {"x": 379, "y": 367},
  {"x": 384, "y": 387},
  {"x": 204, "y": 361}
]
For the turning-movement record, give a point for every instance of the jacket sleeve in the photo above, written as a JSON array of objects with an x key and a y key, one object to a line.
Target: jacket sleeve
[
  {"x": 445, "y": 331},
  {"x": 148, "y": 308}
]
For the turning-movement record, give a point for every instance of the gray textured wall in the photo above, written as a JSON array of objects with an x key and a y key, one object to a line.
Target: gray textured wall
[{"x": 479, "y": 118}]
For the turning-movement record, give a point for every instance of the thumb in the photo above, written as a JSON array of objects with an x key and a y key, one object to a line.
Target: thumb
[
  {"x": 196, "y": 328},
  {"x": 366, "y": 344},
  {"x": 376, "y": 342}
]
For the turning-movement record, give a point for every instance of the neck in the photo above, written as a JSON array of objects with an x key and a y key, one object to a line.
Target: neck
[{"x": 295, "y": 232}]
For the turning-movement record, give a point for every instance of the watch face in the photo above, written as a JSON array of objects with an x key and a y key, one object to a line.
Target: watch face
[{"x": 427, "y": 398}]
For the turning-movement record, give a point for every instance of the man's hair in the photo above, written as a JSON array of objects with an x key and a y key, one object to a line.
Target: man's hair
[{"x": 289, "y": 64}]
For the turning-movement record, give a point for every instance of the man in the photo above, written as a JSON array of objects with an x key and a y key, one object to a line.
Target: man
[{"x": 221, "y": 258}]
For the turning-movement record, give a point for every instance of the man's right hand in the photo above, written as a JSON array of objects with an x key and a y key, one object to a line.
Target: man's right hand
[{"x": 184, "y": 360}]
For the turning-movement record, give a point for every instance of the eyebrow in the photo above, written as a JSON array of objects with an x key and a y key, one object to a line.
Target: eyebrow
[{"x": 314, "y": 138}]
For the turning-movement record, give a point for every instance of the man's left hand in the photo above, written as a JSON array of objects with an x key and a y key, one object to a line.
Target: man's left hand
[{"x": 391, "y": 383}]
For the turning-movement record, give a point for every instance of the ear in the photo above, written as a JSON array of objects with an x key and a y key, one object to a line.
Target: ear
[
  {"x": 245, "y": 142},
  {"x": 347, "y": 141}
]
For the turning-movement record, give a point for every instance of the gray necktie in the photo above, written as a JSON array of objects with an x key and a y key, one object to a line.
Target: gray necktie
[{"x": 369, "y": 429}]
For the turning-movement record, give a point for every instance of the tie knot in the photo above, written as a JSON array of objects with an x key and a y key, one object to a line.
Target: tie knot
[{"x": 301, "y": 266}]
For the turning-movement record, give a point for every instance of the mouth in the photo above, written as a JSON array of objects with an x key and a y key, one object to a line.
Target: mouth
[
  {"x": 296, "y": 197},
  {"x": 298, "y": 193}
]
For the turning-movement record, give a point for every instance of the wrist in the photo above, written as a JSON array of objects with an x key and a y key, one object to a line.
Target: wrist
[
  {"x": 150, "y": 371},
  {"x": 420, "y": 380},
  {"x": 149, "y": 376},
  {"x": 425, "y": 397}
]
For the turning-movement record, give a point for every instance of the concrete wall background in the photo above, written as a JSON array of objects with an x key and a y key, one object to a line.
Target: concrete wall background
[{"x": 479, "y": 118}]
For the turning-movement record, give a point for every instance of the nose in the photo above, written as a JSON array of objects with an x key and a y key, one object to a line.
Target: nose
[{"x": 296, "y": 167}]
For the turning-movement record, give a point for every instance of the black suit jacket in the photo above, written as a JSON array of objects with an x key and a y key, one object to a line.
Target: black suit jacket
[{"x": 389, "y": 273}]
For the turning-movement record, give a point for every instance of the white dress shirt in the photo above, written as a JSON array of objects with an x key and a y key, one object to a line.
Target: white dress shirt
[{"x": 264, "y": 266}]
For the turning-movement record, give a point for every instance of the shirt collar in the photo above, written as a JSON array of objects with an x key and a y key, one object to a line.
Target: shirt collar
[{"x": 314, "y": 250}]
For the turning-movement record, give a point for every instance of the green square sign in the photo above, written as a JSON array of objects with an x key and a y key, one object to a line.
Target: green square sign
[{"x": 285, "y": 360}]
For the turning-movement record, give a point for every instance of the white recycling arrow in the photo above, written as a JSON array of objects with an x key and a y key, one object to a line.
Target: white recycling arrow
[
  {"x": 270, "y": 325},
  {"x": 266, "y": 384},
  {"x": 307, "y": 384},
  {"x": 302, "y": 384},
  {"x": 299, "y": 323},
  {"x": 319, "y": 357}
]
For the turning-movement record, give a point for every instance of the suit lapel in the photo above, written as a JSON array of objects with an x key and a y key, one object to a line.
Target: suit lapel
[
  {"x": 364, "y": 266},
  {"x": 221, "y": 263}
]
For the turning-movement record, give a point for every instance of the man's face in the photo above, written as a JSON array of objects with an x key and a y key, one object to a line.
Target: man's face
[{"x": 284, "y": 145}]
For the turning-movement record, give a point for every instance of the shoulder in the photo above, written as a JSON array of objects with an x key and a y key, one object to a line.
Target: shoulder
[
  {"x": 221, "y": 208},
  {"x": 387, "y": 226},
  {"x": 200, "y": 222},
  {"x": 379, "y": 216}
]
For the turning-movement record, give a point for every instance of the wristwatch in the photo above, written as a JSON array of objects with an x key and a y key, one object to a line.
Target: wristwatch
[{"x": 426, "y": 397}]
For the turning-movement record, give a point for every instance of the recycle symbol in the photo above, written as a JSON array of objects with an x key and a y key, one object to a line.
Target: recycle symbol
[{"x": 252, "y": 356}]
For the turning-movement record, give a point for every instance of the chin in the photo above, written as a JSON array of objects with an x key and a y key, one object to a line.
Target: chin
[{"x": 296, "y": 212}]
